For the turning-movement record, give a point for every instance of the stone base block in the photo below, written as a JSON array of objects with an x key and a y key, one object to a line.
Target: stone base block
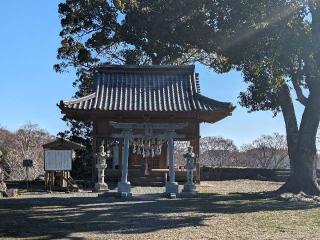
[
  {"x": 115, "y": 195},
  {"x": 188, "y": 194},
  {"x": 101, "y": 187},
  {"x": 124, "y": 188},
  {"x": 190, "y": 188},
  {"x": 172, "y": 187},
  {"x": 109, "y": 195},
  {"x": 169, "y": 195},
  {"x": 125, "y": 195}
]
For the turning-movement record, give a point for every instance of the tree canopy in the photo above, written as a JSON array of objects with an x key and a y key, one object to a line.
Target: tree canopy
[
  {"x": 128, "y": 32},
  {"x": 276, "y": 46}
]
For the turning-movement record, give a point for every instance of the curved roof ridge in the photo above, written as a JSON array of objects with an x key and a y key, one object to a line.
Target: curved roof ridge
[
  {"x": 216, "y": 103},
  {"x": 77, "y": 100}
]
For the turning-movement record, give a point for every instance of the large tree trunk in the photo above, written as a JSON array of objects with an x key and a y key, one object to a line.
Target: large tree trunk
[
  {"x": 290, "y": 119},
  {"x": 303, "y": 175}
]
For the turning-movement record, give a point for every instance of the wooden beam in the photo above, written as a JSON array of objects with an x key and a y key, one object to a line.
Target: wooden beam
[
  {"x": 160, "y": 136},
  {"x": 164, "y": 126}
]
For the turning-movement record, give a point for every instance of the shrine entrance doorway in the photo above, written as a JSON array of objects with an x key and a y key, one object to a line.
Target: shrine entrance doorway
[
  {"x": 147, "y": 140},
  {"x": 137, "y": 161}
]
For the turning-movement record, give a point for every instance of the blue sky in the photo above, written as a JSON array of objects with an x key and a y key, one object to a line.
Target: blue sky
[{"x": 30, "y": 89}]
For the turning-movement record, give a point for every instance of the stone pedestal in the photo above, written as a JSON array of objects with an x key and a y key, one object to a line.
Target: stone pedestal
[
  {"x": 190, "y": 188},
  {"x": 101, "y": 187},
  {"x": 172, "y": 188},
  {"x": 124, "y": 188}
]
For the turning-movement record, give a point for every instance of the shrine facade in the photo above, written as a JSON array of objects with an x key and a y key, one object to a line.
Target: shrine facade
[{"x": 144, "y": 109}]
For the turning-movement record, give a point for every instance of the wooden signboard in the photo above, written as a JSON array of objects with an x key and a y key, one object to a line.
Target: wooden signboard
[{"x": 58, "y": 160}]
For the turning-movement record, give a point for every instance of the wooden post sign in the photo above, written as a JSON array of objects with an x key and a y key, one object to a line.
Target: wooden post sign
[{"x": 27, "y": 163}]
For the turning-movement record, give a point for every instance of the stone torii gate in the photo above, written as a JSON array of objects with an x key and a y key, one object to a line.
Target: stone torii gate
[{"x": 169, "y": 135}]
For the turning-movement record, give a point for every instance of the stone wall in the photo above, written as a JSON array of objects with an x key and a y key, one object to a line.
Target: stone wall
[{"x": 219, "y": 174}]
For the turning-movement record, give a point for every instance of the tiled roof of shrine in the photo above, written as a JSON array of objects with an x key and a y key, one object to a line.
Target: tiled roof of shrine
[{"x": 146, "y": 89}]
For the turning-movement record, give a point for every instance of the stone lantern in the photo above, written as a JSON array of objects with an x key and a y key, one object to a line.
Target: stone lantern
[
  {"x": 101, "y": 165},
  {"x": 190, "y": 187}
]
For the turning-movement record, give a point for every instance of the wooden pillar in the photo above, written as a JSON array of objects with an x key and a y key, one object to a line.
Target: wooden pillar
[
  {"x": 124, "y": 186},
  {"x": 120, "y": 153},
  {"x": 163, "y": 157},
  {"x": 115, "y": 156},
  {"x": 172, "y": 175},
  {"x": 46, "y": 180},
  {"x": 197, "y": 153},
  {"x": 125, "y": 160},
  {"x": 172, "y": 186},
  {"x": 195, "y": 143},
  {"x": 61, "y": 173},
  {"x": 94, "y": 151},
  {"x": 52, "y": 178}
]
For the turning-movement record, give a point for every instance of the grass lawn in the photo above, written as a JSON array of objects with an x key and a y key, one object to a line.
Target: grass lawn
[{"x": 223, "y": 210}]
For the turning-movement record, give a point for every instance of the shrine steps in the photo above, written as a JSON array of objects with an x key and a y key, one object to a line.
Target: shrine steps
[
  {"x": 138, "y": 178},
  {"x": 147, "y": 181}
]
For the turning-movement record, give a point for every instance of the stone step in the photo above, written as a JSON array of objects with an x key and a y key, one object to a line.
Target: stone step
[
  {"x": 147, "y": 184},
  {"x": 151, "y": 175},
  {"x": 146, "y": 177}
]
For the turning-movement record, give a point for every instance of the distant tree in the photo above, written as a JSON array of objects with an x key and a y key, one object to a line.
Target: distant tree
[
  {"x": 25, "y": 143},
  {"x": 180, "y": 148},
  {"x": 6, "y": 144},
  {"x": 268, "y": 151},
  {"x": 217, "y": 152},
  {"x": 214, "y": 152}
]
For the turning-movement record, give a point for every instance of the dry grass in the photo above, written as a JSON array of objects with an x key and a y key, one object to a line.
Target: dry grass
[{"x": 224, "y": 210}]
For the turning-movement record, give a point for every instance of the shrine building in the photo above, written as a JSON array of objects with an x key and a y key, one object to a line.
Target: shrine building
[{"x": 144, "y": 109}]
